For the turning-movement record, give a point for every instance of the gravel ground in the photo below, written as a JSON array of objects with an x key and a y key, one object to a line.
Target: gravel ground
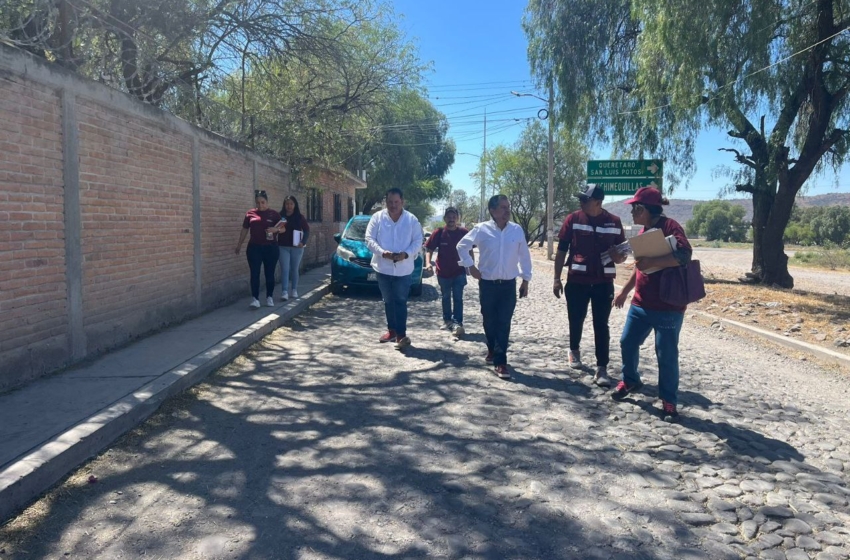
[
  {"x": 733, "y": 263},
  {"x": 320, "y": 443}
]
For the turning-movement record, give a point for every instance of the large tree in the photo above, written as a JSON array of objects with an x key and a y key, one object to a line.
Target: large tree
[
  {"x": 302, "y": 80},
  {"x": 648, "y": 76},
  {"x": 409, "y": 150},
  {"x": 520, "y": 172}
]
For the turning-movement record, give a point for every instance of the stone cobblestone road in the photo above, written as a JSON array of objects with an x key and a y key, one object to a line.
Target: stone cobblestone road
[{"x": 320, "y": 443}]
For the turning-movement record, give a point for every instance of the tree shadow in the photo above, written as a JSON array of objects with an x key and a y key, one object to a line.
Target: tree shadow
[{"x": 300, "y": 450}]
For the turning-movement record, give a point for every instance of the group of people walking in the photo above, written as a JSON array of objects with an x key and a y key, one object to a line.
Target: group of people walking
[
  {"x": 590, "y": 245},
  {"x": 274, "y": 237}
]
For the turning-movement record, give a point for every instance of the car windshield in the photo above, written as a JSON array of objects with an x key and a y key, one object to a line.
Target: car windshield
[{"x": 356, "y": 230}]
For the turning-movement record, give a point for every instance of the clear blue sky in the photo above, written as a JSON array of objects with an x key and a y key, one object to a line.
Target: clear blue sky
[{"x": 478, "y": 53}]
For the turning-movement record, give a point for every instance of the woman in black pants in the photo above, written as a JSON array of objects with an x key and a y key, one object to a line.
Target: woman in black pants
[{"x": 260, "y": 223}]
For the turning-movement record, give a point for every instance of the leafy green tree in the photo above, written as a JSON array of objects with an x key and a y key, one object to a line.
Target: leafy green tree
[
  {"x": 648, "y": 76},
  {"x": 301, "y": 80},
  {"x": 468, "y": 206},
  {"x": 718, "y": 220},
  {"x": 410, "y": 151},
  {"x": 832, "y": 226},
  {"x": 798, "y": 233},
  {"x": 521, "y": 172}
]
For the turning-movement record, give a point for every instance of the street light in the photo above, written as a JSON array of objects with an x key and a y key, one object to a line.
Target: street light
[
  {"x": 483, "y": 171},
  {"x": 550, "y": 190}
]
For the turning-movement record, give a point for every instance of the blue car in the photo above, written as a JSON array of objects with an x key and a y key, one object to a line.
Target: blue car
[{"x": 351, "y": 263}]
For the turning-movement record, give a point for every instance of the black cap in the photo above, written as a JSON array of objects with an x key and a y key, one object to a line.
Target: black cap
[{"x": 592, "y": 191}]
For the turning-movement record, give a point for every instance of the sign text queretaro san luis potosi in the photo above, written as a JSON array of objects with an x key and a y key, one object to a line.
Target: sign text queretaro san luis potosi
[{"x": 625, "y": 176}]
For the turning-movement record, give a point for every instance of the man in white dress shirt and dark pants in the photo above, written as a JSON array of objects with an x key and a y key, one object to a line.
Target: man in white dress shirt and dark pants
[
  {"x": 394, "y": 236},
  {"x": 502, "y": 256}
]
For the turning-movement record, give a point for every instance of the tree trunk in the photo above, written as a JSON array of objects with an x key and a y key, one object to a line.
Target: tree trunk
[{"x": 771, "y": 212}]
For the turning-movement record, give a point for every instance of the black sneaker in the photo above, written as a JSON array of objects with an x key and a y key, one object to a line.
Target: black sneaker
[
  {"x": 669, "y": 412},
  {"x": 622, "y": 390}
]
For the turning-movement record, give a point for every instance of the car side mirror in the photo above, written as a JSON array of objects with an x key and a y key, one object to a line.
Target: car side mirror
[{"x": 337, "y": 238}]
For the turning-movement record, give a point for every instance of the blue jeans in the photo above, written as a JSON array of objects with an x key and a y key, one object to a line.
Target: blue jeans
[
  {"x": 452, "y": 291},
  {"x": 290, "y": 260},
  {"x": 667, "y": 325},
  {"x": 395, "y": 291},
  {"x": 498, "y": 301}
]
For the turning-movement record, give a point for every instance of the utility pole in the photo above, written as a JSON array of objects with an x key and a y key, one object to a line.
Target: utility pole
[
  {"x": 484, "y": 172},
  {"x": 550, "y": 187},
  {"x": 550, "y": 191}
]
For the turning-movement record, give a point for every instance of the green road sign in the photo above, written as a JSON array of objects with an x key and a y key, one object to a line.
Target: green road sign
[
  {"x": 624, "y": 168},
  {"x": 615, "y": 187}
]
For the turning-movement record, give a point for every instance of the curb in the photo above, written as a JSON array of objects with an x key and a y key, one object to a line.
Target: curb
[
  {"x": 823, "y": 353},
  {"x": 31, "y": 475}
]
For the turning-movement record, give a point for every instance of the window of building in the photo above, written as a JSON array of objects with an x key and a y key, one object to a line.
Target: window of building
[
  {"x": 314, "y": 205},
  {"x": 350, "y": 207},
  {"x": 337, "y": 208}
]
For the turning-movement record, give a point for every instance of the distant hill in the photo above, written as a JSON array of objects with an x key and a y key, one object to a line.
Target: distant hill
[{"x": 682, "y": 210}]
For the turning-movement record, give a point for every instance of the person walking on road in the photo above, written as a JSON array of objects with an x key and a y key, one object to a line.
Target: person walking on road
[
  {"x": 502, "y": 256},
  {"x": 293, "y": 224},
  {"x": 584, "y": 240},
  {"x": 262, "y": 225},
  {"x": 450, "y": 275},
  {"x": 394, "y": 236},
  {"x": 648, "y": 311}
]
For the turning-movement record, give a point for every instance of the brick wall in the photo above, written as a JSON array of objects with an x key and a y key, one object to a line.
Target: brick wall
[
  {"x": 227, "y": 188},
  {"x": 136, "y": 206},
  {"x": 33, "y": 325},
  {"x": 126, "y": 184}
]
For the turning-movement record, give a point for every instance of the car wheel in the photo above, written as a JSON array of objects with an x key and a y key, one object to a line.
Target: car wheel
[
  {"x": 416, "y": 289},
  {"x": 336, "y": 288}
]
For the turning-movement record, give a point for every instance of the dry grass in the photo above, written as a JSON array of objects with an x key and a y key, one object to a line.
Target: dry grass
[{"x": 819, "y": 319}]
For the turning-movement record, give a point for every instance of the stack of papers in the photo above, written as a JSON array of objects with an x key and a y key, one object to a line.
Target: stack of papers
[{"x": 652, "y": 244}]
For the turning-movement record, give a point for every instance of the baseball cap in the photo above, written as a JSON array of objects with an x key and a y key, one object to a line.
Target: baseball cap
[
  {"x": 592, "y": 191},
  {"x": 649, "y": 196}
]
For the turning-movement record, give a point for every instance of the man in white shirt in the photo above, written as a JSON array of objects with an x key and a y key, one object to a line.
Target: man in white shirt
[
  {"x": 502, "y": 256},
  {"x": 394, "y": 236}
]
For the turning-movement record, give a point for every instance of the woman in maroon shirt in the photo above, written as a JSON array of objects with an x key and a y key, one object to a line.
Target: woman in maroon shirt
[
  {"x": 260, "y": 223},
  {"x": 293, "y": 224},
  {"x": 649, "y": 311}
]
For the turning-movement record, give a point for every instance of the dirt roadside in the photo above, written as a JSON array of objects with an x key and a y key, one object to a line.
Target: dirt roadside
[{"x": 819, "y": 315}]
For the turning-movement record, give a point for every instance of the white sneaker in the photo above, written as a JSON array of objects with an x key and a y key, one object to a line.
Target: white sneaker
[
  {"x": 255, "y": 303},
  {"x": 601, "y": 377},
  {"x": 270, "y": 301},
  {"x": 294, "y": 294},
  {"x": 447, "y": 326},
  {"x": 284, "y": 296}
]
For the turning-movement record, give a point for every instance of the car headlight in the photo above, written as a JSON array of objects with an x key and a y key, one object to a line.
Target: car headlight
[{"x": 344, "y": 253}]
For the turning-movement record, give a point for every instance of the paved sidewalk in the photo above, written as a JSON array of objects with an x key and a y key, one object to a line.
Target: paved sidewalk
[{"x": 49, "y": 427}]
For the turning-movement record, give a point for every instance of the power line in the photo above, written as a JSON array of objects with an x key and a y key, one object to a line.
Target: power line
[{"x": 522, "y": 81}]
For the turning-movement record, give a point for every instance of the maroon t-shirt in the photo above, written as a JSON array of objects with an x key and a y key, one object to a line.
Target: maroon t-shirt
[
  {"x": 445, "y": 243},
  {"x": 648, "y": 286},
  {"x": 256, "y": 222},
  {"x": 285, "y": 239}
]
